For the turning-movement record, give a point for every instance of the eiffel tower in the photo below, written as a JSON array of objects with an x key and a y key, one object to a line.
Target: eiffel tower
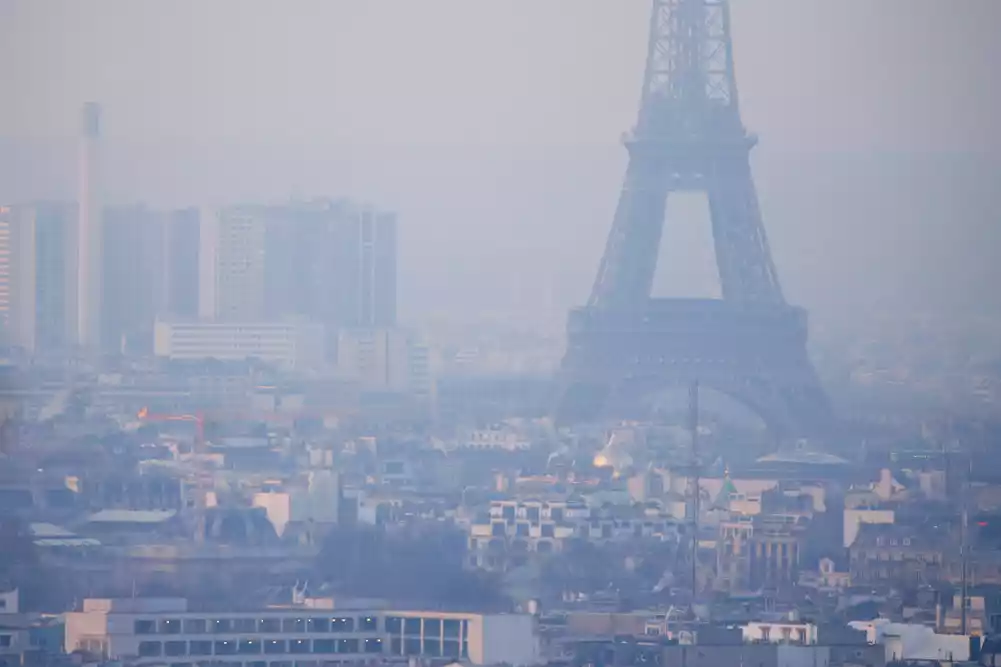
[{"x": 750, "y": 344}]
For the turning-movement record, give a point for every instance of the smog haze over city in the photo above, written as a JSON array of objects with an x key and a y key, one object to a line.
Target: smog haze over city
[{"x": 605, "y": 332}]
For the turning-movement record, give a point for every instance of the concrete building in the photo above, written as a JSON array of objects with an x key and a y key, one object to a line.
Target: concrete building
[
  {"x": 38, "y": 291},
  {"x": 855, "y": 517},
  {"x": 311, "y": 510},
  {"x": 914, "y": 642},
  {"x": 331, "y": 261},
  {"x": 183, "y": 244},
  {"x": 363, "y": 247},
  {"x": 155, "y": 631},
  {"x": 288, "y": 345},
  {"x": 150, "y": 270},
  {"x": 231, "y": 265},
  {"x": 133, "y": 263},
  {"x": 514, "y": 530},
  {"x": 382, "y": 360}
]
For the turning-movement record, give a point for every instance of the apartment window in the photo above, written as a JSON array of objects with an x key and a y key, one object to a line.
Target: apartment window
[
  {"x": 256, "y": 663},
  {"x": 200, "y": 647},
  {"x": 411, "y": 626},
  {"x": 144, "y": 627},
  {"x": 497, "y": 529},
  {"x": 274, "y": 646},
  {"x": 451, "y": 627},
  {"x": 556, "y": 514},
  {"x": 394, "y": 625},
  {"x": 411, "y": 646},
  {"x": 508, "y": 512},
  {"x": 225, "y": 647},
  {"x": 150, "y": 649},
  {"x": 344, "y": 624},
  {"x": 432, "y": 627},
  {"x": 373, "y": 645},
  {"x": 298, "y": 646},
  {"x": 548, "y": 530},
  {"x": 249, "y": 647},
  {"x": 522, "y": 530},
  {"x": 294, "y": 625},
  {"x": 221, "y": 626},
  {"x": 533, "y": 514},
  {"x": 324, "y": 646},
  {"x": 319, "y": 625},
  {"x": 347, "y": 645},
  {"x": 5, "y": 641},
  {"x": 170, "y": 626},
  {"x": 450, "y": 648},
  {"x": 432, "y": 647},
  {"x": 270, "y": 625},
  {"x": 368, "y": 623},
  {"x": 242, "y": 625},
  {"x": 175, "y": 648},
  {"x": 194, "y": 626},
  {"x": 281, "y": 663}
]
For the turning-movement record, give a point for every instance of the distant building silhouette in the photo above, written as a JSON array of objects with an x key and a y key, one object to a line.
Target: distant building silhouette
[{"x": 38, "y": 296}]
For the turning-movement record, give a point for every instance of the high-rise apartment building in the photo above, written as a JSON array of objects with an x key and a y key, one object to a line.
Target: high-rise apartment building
[
  {"x": 132, "y": 270},
  {"x": 231, "y": 259},
  {"x": 149, "y": 270},
  {"x": 331, "y": 261},
  {"x": 182, "y": 243},
  {"x": 363, "y": 252},
  {"x": 38, "y": 277}
]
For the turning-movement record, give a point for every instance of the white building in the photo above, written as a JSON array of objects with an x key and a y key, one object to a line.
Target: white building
[
  {"x": 231, "y": 270},
  {"x": 500, "y": 439},
  {"x": 158, "y": 631},
  {"x": 318, "y": 503},
  {"x": 385, "y": 359},
  {"x": 853, "y": 518},
  {"x": 779, "y": 632},
  {"x": 290, "y": 345},
  {"x": 38, "y": 276},
  {"x": 908, "y": 641}
]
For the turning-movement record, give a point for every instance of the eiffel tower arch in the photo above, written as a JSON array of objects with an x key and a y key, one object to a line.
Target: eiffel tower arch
[{"x": 750, "y": 344}]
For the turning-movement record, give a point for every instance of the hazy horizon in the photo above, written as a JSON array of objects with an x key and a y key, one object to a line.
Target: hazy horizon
[{"x": 498, "y": 146}]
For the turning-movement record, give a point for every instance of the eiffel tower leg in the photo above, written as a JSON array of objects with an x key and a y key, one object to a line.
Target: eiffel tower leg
[
  {"x": 625, "y": 276},
  {"x": 746, "y": 270}
]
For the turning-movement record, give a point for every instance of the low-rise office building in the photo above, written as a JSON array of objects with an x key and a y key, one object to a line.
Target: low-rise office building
[
  {"x": 164, "y": 632},
  {"x": 289, "y": 345}
]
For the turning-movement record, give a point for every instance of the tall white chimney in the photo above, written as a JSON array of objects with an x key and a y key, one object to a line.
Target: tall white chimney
[{"x": 89, "y": 227}]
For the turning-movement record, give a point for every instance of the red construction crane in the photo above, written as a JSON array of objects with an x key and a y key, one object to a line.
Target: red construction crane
[{"x": 201, "y": 473}]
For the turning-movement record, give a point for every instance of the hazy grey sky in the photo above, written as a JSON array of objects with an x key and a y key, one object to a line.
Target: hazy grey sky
[
  {"x": 813, "y": 73},
  {"x": 492, "y": 126}
]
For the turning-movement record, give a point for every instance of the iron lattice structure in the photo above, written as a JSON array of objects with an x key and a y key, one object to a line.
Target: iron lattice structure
[{"x": 750, "y": 344}]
